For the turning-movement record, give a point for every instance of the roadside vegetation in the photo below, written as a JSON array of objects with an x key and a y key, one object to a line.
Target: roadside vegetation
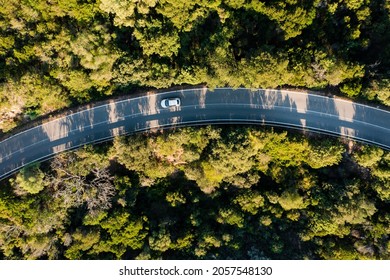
[
  {"x": 202, "y": 193},
  {"x": 195, "y": 193},
  {"x": 60, "y": 53}
]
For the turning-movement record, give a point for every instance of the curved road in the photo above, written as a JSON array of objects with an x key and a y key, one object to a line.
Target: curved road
[{"x": 199, "y": 106}]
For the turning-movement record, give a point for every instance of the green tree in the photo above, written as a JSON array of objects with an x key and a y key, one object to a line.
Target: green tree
[
  {"x": 79, "y": 243},
  {"x": 175, "y": 198},
  {"x": 124, "y": 233},
  {"x": 369, "y": 156},
  {"x": 30, "y": 180},
  {"x": 291, "y": 16},
  {"x": 325, "y": 153},
  {"x": 250, "y": 201},
  {"x": 154, "y": 40},
  {"x": 231, "y": 217},
  {"x": 380, "y": 90},
  {"x": 291, "y": 199},
  {"x": 137, "y": 154},
  {"x": 160, "y": 241}
]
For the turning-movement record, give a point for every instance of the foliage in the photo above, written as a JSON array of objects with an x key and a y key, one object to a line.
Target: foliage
[
  {"x": 379, "y": 89},
  {"x": 369, "y": 156},
  {"x": 30, "y": 180},
  {"x": 290, "y": 199},
  {"x": 207, "y": 188},
  {"x": 70, "y": 52}
]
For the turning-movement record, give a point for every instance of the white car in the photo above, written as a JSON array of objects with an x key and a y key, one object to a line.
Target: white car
[{"x": 170, "y": 102}]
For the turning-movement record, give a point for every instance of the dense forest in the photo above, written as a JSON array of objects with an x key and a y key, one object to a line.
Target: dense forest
[
  {"x": 60, "y": 53},
  {"x": 202, "y": 193},
  {"x": 195, "y": 193}
]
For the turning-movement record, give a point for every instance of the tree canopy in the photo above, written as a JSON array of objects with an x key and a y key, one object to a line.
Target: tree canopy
[
  {"x": 54, "y": 55},
  {"x": 194, "y": 193}
]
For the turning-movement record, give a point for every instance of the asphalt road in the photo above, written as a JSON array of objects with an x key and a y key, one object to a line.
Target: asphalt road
[{"x": 198, "y": 106}]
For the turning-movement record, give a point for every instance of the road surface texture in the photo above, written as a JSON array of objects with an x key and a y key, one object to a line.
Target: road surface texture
[{"x": 198, "y": 106}]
